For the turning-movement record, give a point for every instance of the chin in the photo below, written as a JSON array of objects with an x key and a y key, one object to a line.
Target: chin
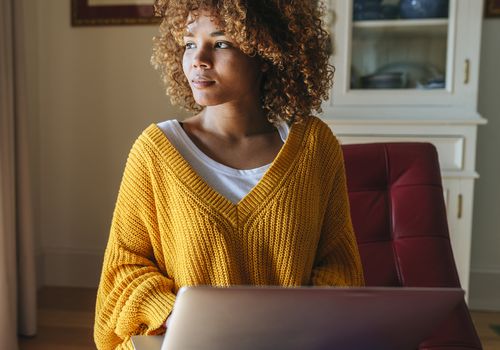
[{"x": 207, "y": 102}]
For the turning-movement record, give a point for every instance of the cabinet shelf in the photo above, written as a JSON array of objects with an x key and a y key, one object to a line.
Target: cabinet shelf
[
  {"x": 413, "y": 27},
  {"x": 428, "y": 22}
]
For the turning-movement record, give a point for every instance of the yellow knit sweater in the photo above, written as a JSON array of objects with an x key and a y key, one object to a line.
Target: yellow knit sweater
[{"x": 170, "y": 229}]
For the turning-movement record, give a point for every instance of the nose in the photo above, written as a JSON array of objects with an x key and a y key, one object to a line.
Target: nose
[{"x": 202, "y": 58}]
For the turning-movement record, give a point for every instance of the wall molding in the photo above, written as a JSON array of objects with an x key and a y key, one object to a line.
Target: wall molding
[
  {"x": 485, "y": 289},
  {"x": 70, "y": 267}
]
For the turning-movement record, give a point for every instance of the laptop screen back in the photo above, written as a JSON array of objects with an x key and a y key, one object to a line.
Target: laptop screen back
[{"x": 307, "y": 318}]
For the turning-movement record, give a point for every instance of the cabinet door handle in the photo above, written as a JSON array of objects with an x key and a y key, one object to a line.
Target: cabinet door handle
[
  {"x": 467, "y": 71},
  {"x": 460, "y": 202}
]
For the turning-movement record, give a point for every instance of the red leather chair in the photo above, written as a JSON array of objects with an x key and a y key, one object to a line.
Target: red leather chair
[{"x": 399, "y": 217}]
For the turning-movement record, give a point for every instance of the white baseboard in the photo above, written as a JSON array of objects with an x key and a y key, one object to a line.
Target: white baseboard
[
  {"x": 484, "y": 290},
  {"x": 71, "y": 267}
]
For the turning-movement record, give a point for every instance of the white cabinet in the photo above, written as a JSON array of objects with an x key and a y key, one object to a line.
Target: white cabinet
[
  {"x": 423, "y": 48},
  {"x": 459, "y": 210},
  {"x": 413, "y": 80}
]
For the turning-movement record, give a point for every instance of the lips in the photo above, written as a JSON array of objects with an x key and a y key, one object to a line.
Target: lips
[{"x": 201, "y": 82}]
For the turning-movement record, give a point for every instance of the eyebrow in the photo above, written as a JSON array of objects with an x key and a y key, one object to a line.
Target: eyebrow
[{"x": 217, "y": 33}]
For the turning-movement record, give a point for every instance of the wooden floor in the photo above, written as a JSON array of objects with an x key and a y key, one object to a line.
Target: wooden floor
[
  {"x": 66, "y": 316},
  {"x": 65, "y": 320}
]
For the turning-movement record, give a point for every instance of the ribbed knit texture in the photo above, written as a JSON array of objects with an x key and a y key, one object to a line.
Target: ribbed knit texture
[{"x": 170, "y": 229}]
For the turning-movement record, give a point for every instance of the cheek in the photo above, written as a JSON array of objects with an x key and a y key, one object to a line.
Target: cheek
[
  {"x": 250, "y": 73},
  {"x": 241, "y": 69},
  {"x": 185, "y": 65}
]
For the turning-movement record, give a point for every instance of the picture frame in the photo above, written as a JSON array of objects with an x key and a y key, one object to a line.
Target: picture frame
[
  {"x": 492, "y": 8},
  {"x": 112, "y": 12}
]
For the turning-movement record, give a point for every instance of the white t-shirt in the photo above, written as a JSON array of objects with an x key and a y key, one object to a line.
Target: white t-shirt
[{"x": 234, "y": 184}]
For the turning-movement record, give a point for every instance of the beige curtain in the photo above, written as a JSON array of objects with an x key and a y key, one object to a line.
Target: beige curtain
[{"x": 17, "y": 267}]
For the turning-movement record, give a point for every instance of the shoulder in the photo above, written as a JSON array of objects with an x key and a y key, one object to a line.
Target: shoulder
[
  {"x": 148, "y": 147},
  {"x": 320, "y": 134},
  {"x": 323, "y": 149},
  {"x": 152, "y": 138}
]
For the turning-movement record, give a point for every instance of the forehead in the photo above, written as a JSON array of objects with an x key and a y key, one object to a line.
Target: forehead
[{"x": 202, "y": 19}]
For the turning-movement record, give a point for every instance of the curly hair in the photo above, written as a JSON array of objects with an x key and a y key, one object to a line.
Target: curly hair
[{"x": 286, "y": 34}]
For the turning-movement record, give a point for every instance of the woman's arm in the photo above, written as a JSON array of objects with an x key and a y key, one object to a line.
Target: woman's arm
[
  {"x": 134, "y": 296},
  {"x": 337, "y": 261}
]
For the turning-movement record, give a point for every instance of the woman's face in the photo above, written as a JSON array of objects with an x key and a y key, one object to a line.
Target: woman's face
[{"x": 217, "y": 71}]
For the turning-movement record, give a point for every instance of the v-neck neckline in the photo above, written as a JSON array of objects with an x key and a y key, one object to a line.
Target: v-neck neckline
[
  {"x": 194, "y": 149},
  {"x": 265, "y": 188}
]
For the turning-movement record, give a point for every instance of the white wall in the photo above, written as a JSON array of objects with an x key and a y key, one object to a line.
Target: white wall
[
  {"x": 485, "y": 266},
  {"x": 96, "y": 93}
]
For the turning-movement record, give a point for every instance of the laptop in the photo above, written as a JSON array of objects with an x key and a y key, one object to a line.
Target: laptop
[{"x": 313, "y": 318}]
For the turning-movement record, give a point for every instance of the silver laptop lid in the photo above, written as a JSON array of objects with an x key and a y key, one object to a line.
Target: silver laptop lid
[{"x": 245, "y": 318}]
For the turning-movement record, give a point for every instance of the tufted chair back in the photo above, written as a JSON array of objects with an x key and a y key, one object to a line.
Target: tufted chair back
[{"x": 399, "y": 217}]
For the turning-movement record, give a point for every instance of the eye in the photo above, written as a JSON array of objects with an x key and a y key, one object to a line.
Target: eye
[
  {"x": 189, "y": 45},
  {"x": 222, "y": 45}
]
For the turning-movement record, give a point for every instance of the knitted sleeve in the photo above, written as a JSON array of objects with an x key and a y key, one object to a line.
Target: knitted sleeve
[
  {"x": 337, "y": 261},
  {"x": 134, "y": 296}
]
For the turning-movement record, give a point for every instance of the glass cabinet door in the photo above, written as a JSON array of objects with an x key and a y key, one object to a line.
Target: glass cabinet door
[
  {"x": 399, "y": 45},
  {"x": 400, "y": 52}
]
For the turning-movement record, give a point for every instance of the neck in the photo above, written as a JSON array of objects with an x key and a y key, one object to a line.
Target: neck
[{"x": 232, "y": 121}]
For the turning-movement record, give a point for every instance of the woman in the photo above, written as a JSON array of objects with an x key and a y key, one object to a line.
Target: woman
[{"x": 248, "y": 191}]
